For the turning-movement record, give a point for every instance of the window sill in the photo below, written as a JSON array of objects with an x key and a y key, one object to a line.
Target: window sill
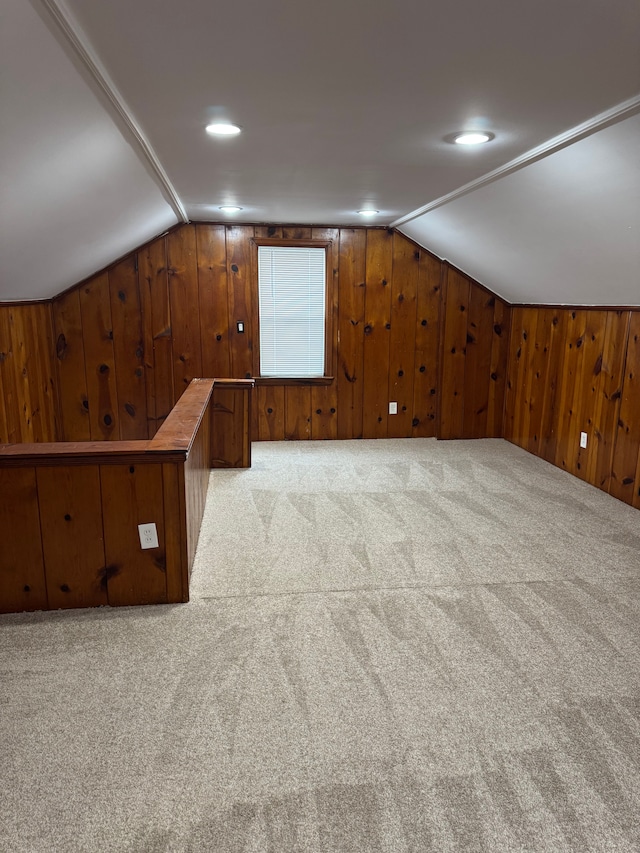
[{"x": 278, "y": 380}]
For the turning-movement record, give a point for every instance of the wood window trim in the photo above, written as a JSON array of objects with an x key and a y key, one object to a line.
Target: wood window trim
[
  {"x": 329, "y": 319},
  {"x": 293, "y": 380}
]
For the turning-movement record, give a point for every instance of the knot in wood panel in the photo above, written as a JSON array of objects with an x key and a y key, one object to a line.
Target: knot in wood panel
[{"x": 61, "y": 346}]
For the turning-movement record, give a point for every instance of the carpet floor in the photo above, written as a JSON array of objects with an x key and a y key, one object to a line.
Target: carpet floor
[{"x": 392, "y": 646}]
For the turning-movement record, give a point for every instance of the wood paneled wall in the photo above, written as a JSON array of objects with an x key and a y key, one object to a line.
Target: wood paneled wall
[
  {"x": 69, "y": 514},
  {"x": 27, "y": 392},
  {"x": 407, "y": 327},
  {"x": 130, "y": 339},
  {"x": 475, "y": 335},
  {"x": 573, "y": 371},
  {"x": 70, "y": 537}
]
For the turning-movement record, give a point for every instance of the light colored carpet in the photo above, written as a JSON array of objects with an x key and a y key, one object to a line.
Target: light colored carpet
[{"x": 392, "y": 646}]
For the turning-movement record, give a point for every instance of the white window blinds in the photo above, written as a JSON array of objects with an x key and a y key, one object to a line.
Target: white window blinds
[{"x": 291, "y": 286}]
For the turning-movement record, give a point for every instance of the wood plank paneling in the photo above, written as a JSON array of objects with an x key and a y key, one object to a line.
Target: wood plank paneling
[
  {"x": 71, "y": 520},
  {"x": 624, "y": 484},
  {"x": 539, "y": 346},
  {"x": 175, "y": 533},
  {"x": 270, "y": 406},
  {"x": 377, "y": 328},
  {"x": 239, "y": 266},
  {"x": 132, "y": 495},
  {"x": 268, "y": 232},
  {"x": 453, "y": 343},
  {"x": 584, "y": 384},
  {"x": 526, "y": 378},
  {"x": 324, "y": 415},
  {"x": 227, "y": 425},
  {"x": 196, "y": 482},
  {"x": 427, "y": 338},
  {"x": 12, "y": 430},
  {"x": 97, "y": 331},
  {"x": 402, "y": 335},
  {"x": 70, "y": 366},
  {"x": 128, "y": 346},
  {"x": 551, "y": 403},
  {"x": 28, "y": 397},
  {"x": 48, "y": 374},
  {"x": 607, "y": 400},
  {"x": 213, "y": 300},
  {"x": 324, "y": 399},
  {"x": 22, "y": 579},
  {"x": 573, "y": 351},
  {"x": 297, "y": 412},
  {"x": 352, "y": 272},
  {"x": 196, "y": 283},
  {"x": 480, "y": 322},
  {"x": 513, "y": 366},
  {"x": 5, "y": 403},
  {"x": 41, "y": 399},
  {"x": 231, "y": 423},
  {"x": 498, "y": 368},
  {"x": 153, "y": 278},
  {"x": 586, "y": 391},
  {"x": 69, "y": 511},
  {"x": 296, "y": 232},
  {"x": 185, "y": 320}
]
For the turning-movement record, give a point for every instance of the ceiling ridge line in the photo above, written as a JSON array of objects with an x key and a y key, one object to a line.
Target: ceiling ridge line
[
  {"x": 624, "y": 110},
  {"x": 76, "y": 39}
]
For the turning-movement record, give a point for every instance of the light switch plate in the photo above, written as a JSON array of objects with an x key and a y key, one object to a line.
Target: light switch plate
[{"x": 393, "y": 408}]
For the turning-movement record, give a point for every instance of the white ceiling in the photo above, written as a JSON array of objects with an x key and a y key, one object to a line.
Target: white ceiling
[
  {"x": 75, "y": 196},
  {"x": 564, "y": 229},
  {"x": 344, "y": 104}
]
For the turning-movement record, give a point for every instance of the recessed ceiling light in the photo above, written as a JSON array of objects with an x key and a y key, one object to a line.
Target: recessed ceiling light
[
  {"x": 223, "y": 129},
  {"x": 368, "y": 212},
  {"x": 229, "y": 208},
  {"x": 472, "y": 138}
]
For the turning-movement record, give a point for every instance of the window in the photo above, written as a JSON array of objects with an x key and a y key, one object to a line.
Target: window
[{"x": 293, "y": 313}]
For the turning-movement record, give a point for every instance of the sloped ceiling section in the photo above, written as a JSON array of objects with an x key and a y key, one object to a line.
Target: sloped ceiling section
[
  {"x": 75, "y": 195},
  {"x": 565, "y": 229}
]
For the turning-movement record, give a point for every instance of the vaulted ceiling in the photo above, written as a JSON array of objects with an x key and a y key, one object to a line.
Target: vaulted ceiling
[{"x": 344, "y": 104}]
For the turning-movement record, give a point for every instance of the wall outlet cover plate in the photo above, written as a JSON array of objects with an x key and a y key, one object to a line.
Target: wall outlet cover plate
[{"x": 148, "y": 536}]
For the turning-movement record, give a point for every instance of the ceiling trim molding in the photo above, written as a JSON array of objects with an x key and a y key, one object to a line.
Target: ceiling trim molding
[
  {"x": 76, "y": 39},
  {"x": 618, "y": 113}
]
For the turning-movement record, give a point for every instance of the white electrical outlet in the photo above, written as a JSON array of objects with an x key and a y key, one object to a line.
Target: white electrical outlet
[
  {"x": 583, "y": 439},
  {"x": 148, "y": 536},
  {"x": 393, "y": 408}
]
